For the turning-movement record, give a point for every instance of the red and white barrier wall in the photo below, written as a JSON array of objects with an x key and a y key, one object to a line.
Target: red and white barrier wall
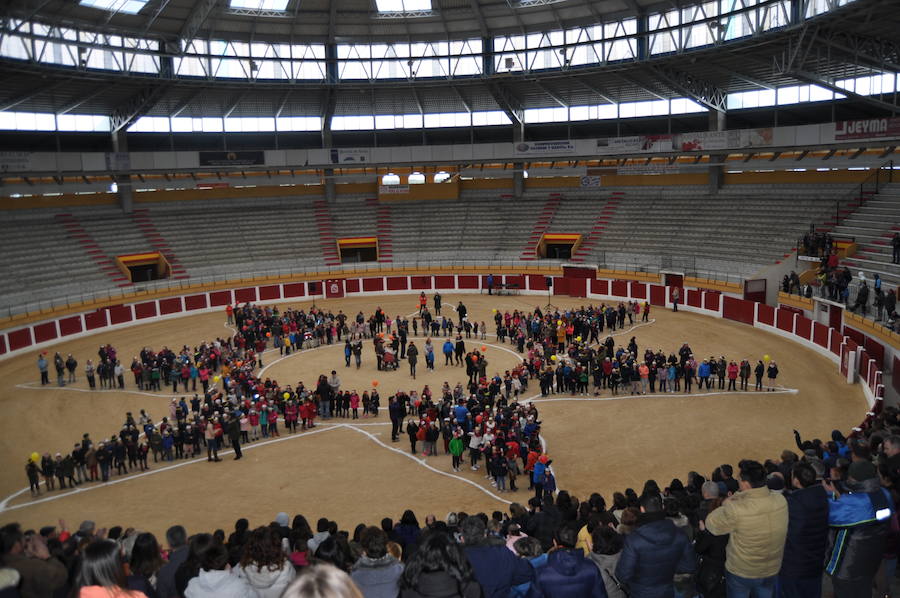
[{"x": 860, "y": 359}]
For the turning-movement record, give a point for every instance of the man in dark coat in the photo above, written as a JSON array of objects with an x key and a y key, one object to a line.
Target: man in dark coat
[
  {"x": 234, "y": 435},
  {"x": 567, "y": 573},
  {"x": 804, "y": 548},
  {"x": 178, "y": 553},
  {"x": 654, "y": 553},
  {"x": 541, "y": 524},
  {"x": 496, "y": 568},
  {"x": 860, "y": 520}
]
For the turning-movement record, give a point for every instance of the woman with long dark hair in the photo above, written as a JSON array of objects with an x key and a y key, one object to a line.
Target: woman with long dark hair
[
  {"x": 439, "y": 568},
  {"x": 408, "y": 533},
  {"x": 102, "y": 573},
  {"x": 145, "y": 562},
  {"x": 264, "y": 564}
]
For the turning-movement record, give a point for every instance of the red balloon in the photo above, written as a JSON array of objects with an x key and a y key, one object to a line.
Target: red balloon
[{"x": 474, "y": 359}]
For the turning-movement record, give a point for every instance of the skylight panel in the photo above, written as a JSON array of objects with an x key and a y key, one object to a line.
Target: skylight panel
[
  {"x": 403, "y": 5},
  {"x": 273, "y": 5},
  {"x": 131, "y": 7}
]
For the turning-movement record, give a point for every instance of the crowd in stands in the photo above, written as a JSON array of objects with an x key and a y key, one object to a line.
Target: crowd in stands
[{"x": 773, "y": 528}]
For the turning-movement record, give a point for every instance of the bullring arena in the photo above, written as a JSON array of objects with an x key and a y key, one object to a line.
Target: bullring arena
[{"x": 579, "y": 200}]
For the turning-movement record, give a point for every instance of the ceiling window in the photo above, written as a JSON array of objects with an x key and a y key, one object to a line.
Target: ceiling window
[
  {"x": 131, "y": 7},
  {"x": 276, "y": 5},
  {"x": 403, "y": 5}
]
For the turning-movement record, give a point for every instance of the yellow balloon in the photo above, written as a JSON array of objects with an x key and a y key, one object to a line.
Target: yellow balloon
[
  {"x": 578, "y": 338},
  {"x": 559, "y": 322},
  {"x": 494, "y": 310},
  {"x": 286, "y": 396},
  {"x": 553, "y": 358},
  {"x": 766, "y": 357},
  {"x": 216, "y": 378},
  {"x": 35, "y": 457}
]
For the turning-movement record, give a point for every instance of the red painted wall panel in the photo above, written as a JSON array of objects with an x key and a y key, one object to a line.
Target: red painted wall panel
[
  {"x": 619, "y": 288},
  {"x": 373, "y": 284},
  {"x": 351, "y": 285},
  {"x": 2, "y": 344},
  {"x": 245, "y": 295},
  {"x": 711, "y": 300},
  {"x": 820, "y": 334},
  {"x": 44, "y": 332},
  {"x": 145, "y": 310},
  {"x": 784, "y": 320},
  {"x": 217, "y": 298},
  {"x": 119, "y": 314},
  {"x": 766, "y": 314},
  {"x": 19, "y": 338},
  {"x": 295, "y": 289},
  {"x": 397, "y": 283},
  {"x": 804, "y": 327},
  {"x": 738, "y": 310},
  {"x": 863, "y": 365},
  {"x": 70, "y": 325},
  {"x": 875, "y": 351},
  {"x": 269, "y": 292},
  {"x": 419, "y": 283},
  {"x": 657, "y": 295},
  {"x": 577, "y": 287},
  {"x": 600, "y": 287},
  {"x": 537, "y": 282},
  {"x": 516, "y": 279},
  {"x": 694, "y": 297},
  {"x": 856, "y": 335},
  {"x": 445, "y": 282},
  {"x": 95, "y": 319},
  {"x": 467, "y": 282},
  {"x": 836, "y": 339},
  {"x": 895, "y": 375},
  {"x": 560, "y": 285},
  {"x": 192, "y": 302},
  {"x": 639, "y": 290},
  {"x": 169, "y": 306}
]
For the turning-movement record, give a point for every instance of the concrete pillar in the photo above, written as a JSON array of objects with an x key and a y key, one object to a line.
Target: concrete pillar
[
  {"x": 119, "y": 163},
  {"x": 518, "y": 180},
  {"x": 330, "y": 193},
  {"x": 716, "y": 173}
]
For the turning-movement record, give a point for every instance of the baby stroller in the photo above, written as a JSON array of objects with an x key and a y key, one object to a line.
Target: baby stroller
[{"x": 390, "y": 361}]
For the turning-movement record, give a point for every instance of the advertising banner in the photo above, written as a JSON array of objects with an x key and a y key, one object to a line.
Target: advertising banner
[
  {"x": 635, "y": 144},
  {"x": 564, "y": 147},
  {"x": 703, "y": 140},
  {"x": 590, "y": 181},
  {"x": 393, "y": 189},
  {"x": 870, "y": 128},
  {"x": 358, "y": 155},
  {"x": 250, "y": 158}
]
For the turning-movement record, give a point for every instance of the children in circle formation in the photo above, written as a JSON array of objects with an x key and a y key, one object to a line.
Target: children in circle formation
[{"x": 247, "y": 408}]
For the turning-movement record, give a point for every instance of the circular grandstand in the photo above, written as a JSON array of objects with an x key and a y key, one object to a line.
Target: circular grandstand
[{"x": 171, "y": 171}]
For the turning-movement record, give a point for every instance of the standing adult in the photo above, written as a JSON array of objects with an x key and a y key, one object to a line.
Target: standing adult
[
  {"x": 859, "y": 523},
  {"x": 412, "y": 357},
  {"x": 437, "y": 304},
  {"x": 676, "y": 297},
  {"x": 756, "y": 519},
  {"x": 490, "y": 284},
  {"x": 461, "y": 312},
  {"x": 234, "y": 435},
  {"x": 42, "y": 368},
  {"x": 804, "y": 549},
  {"x": 496, "y": 568},
  {"x": 376, "y": 573},
  {"x": 176, "y": 537},
  {"x": 895, "y": 243},
  {"x": 568, "y": 574},
  {"x": 654, "y": 552}
]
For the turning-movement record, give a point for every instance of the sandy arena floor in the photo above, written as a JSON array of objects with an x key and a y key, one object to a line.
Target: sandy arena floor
[{"x": 351, "y": 472}]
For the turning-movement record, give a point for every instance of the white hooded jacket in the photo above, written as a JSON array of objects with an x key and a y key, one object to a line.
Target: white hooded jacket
[
  {"x": 219, "y": 584},
  {"x": 267, "y": 583}
]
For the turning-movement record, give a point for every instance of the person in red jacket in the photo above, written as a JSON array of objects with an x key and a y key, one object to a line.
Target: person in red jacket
[
  {"x": 254, "y": 424},
  {"x": 354, "y": 404},
  {"x": 732, "y": 375},
  {"x": 273, "y": 422},
  {"x": 290, "y": 416}
]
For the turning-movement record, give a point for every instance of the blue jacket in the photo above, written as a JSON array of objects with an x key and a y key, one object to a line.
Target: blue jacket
[
  {"x": 652, "y": 555},
  {"x": 703, "y": 370},
  {"x": 569, "y": 575},
  {"x": 538, "y": 476},
  {"x": 804, "y": 548},
  {"x": 523, "y": 590},
  {"x": 859, "y": 522},
  {"x": 497, "y": 569},
  {"x": 448, "y": 347}
]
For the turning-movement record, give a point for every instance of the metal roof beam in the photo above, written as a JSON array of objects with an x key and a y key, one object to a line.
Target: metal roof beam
[
  {"x": 283, "y": 103},
  {"x": 815, "y": 79},
  {"x": 31, "y": 94},
  {"x": 507, "y": 102},
  {"x": 462, "y": 98},
  {"x": 136, "y": 106},
  {"x": 555, "y": 97},
  {"x": 479, "y": 16},
  {"x": 867, "y": 51},
  {"x": 691, "y": 86},
  {"x": 604, "y": 95},
  {"x": 235, "y": 104},
  {"x": 184, "y": 104},
  {"x": 639, "y": 85},
  {"x": 81, "y": 100},
  {"x": 201, "y": 11},
  {"x": 419, "y": 105}
]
